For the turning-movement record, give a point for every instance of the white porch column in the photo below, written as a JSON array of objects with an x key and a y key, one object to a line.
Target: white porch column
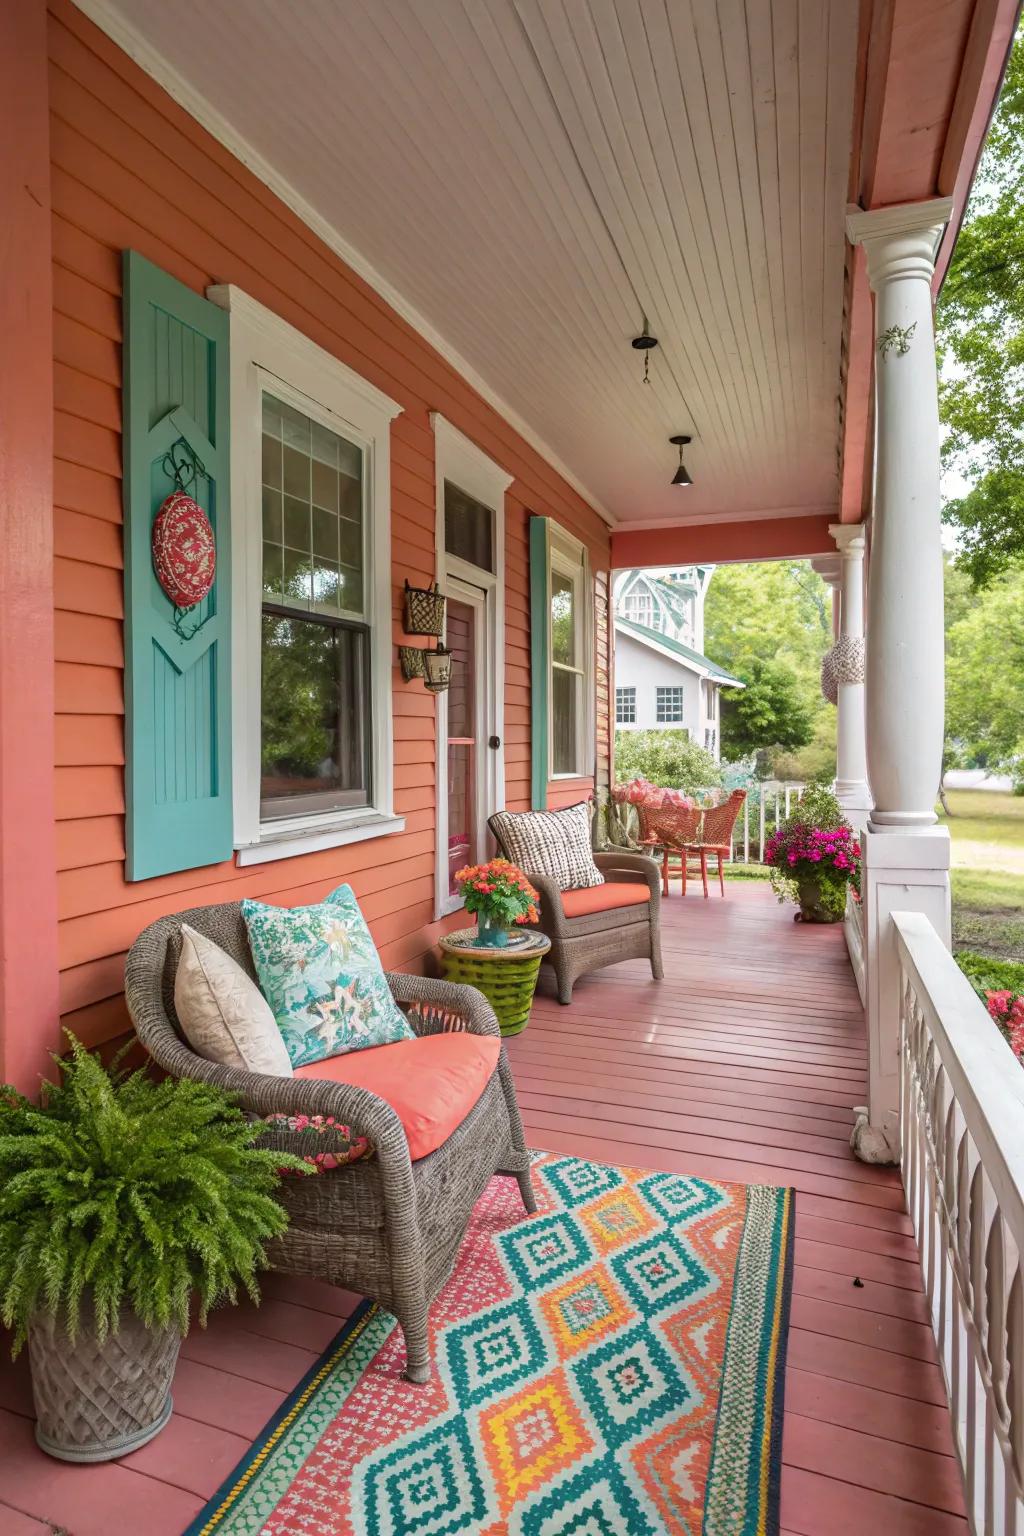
[
  {"x": 906, "y": 854},
  {"x": 848, "y": 665}
]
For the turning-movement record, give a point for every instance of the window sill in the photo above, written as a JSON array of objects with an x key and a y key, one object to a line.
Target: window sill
[{"x": 291, "y": 843}]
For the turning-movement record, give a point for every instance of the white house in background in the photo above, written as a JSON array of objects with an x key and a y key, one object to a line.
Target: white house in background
[{"x": 662, "y": 678}]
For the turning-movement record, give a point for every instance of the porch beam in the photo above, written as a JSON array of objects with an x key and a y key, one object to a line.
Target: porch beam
[
  {"x": 29, "y": 1012},
  {"x": 905, "y": 852},
  {"x": 757, "y": 538}
]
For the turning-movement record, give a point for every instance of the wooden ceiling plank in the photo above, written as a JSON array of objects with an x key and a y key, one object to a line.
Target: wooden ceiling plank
[
  {"x": 631, "y": 75},
  {"x": 580, "y": 83}
]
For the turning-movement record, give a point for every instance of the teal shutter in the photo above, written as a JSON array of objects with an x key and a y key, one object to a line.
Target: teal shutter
[
  {"x": 540, "y": 659},
  {"x": 177, "y": 690}
]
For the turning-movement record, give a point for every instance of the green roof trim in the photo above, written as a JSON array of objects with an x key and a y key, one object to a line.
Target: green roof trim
[{"x": 645, "y": 632}]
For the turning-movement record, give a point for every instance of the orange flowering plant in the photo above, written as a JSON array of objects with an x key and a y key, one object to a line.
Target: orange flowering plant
[{"x": 498, "y": 892}]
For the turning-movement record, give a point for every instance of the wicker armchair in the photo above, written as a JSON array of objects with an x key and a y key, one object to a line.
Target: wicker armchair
[
  {"x": 387, "y": 1227},
  {"x": 669, "y": 828},
  {"x": 586, "y": 943}
]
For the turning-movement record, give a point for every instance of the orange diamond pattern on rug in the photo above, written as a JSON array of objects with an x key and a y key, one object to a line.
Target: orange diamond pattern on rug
[
  {"x": 527, "y": 1440},
  {"x": 616, "y": 1218},
  {"x": 610, "y": 1366},
  {"x": 584, "y": 1309}
]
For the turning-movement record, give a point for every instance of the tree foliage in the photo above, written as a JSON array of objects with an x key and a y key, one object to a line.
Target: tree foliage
[
  {"x": 769, "y": 711},
  {"x": 985, "y": 675},
  {"x": 980, "y": 328},
  {"x": 668, "y": 758},
  {"x": 770, "y": 625}
]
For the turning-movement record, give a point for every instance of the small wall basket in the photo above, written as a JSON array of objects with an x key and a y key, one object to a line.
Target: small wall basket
[{"x": 424, "y": 611}]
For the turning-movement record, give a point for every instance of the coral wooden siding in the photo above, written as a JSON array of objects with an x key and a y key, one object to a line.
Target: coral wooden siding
[{"x": 131, "y": 169}]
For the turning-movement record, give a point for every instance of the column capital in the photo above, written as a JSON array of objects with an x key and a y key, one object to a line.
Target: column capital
[
  {"x": 829, "y": 568},
  {"x": 851, "y": 539},
  {"x": 900, "y": 241}
]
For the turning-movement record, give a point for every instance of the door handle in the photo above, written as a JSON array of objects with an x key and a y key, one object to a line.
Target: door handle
[{"x": 494, "y": 742}]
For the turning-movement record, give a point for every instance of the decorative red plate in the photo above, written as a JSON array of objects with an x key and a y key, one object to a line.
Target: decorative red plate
[{"x": 184, "y": 552}]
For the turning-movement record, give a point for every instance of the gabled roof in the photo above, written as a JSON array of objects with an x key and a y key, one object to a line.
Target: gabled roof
[{"x": 679, "y": 652}]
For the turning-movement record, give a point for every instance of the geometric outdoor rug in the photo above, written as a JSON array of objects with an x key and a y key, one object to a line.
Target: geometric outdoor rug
[{"x": 611, "y": 1366}]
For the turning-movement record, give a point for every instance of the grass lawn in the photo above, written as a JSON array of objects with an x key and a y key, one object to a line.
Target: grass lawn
[{"x": 987, "y": 832}]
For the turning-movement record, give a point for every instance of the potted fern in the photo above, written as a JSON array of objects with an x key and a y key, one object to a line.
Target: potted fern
[{"x": 122, "y": 1200}]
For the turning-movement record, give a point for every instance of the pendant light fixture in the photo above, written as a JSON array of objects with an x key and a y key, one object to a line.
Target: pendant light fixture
[
  {"x": 645, "y": 343},
  {"x": 682, "y": 475}
]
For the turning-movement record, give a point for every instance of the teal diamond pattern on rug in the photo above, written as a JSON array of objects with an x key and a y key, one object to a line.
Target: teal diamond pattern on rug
[
  {"x": 577, "y": 1182},
  {"x": 431, "y": 1487},
  {"x": 677, "y": 1198},
  {"x": 631, "y": 1382},
  {"x": 660, "y": 1273},
  {"x": 540, "y": 1252},
  {"x": 493, "y": 1351},
  {"x": 595, "y": 1502}
]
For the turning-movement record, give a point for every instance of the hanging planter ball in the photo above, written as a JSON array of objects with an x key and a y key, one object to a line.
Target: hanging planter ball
[{"x": 184, "y": 551}]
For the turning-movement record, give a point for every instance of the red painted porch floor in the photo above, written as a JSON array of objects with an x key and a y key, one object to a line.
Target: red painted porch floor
[{"x": 742, "y": 1065}]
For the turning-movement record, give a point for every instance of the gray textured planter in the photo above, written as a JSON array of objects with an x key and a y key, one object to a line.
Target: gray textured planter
[{"x": 95, "y": 1402}]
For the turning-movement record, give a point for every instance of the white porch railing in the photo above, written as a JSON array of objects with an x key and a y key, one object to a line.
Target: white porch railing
[
  {"x": 962, "y": 1148},
  {"x": 767, "y": 805}
]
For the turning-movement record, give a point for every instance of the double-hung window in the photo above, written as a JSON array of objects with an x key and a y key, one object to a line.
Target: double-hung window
[
  {"x": 625, "y": 706},
  {"x": 311, "y": 629},
  {"x": 669, "y": 706},
  {"x": 571, "y": 671}
]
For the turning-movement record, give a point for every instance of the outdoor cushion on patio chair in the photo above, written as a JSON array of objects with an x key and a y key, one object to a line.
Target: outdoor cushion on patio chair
[
  {"x": 388, "y": 1227},
  {"x": 604, "y": 898},
  {"x": 431, "y": 1082},
  {"x": 589, "y": 939}
]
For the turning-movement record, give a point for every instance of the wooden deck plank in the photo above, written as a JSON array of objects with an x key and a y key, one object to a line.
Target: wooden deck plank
[{"x": 743, "y": 1065}]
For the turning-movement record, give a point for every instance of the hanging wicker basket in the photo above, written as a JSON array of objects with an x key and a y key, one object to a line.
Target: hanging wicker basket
[{"x": 424, "y": 611}]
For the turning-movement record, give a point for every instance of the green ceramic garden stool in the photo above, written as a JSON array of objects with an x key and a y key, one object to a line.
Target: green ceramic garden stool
[{"x": 506, "y": 977}]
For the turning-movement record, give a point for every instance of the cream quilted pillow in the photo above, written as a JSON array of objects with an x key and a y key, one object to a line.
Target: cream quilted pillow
[{"x": 223, "y": 1013}]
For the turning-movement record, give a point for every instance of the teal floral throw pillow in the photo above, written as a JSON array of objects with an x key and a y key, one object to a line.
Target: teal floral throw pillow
[{"x": 320, "y": 972}]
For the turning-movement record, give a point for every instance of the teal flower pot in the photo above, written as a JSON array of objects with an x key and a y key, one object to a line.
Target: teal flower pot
[{"x": 491, "y": 932}]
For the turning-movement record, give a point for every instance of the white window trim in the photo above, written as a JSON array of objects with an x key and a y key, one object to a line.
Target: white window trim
[
  {"x": 458, "y": 459},
  {"x": 630, "y": 689},
  {"x": 569, "y": 557},
  {"x": 267, "y": 352}
]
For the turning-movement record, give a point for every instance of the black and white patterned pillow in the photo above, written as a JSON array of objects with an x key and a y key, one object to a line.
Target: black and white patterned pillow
[{"x": 554, "y": 843}]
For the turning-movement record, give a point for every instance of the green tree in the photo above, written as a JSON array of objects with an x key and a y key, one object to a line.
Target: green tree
[
  {"x": 777, "y": 613},
  {"x": 980, "y": 328},
  {"x": 985, "y": 678},
  {"x": 769, "y": 712}
]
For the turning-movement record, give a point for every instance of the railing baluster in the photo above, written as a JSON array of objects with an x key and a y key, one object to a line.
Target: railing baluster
[{"x": 961, "y": 1105}]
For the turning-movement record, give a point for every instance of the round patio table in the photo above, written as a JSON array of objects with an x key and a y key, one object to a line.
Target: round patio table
[{"x": 507, "y": 977}]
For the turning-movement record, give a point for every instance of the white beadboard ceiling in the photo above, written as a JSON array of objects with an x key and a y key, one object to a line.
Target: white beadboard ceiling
[{"x": 532, "y": 176}]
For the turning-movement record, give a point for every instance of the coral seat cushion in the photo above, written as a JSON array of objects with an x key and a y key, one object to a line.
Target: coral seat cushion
[
  {"x": 604, "y": 898},
  {"x": 431, "y": 1083}
]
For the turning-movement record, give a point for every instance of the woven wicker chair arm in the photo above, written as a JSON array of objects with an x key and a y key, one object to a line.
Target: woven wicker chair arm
[
  {"x": 261, "y": 1094},
  {"x": 552, "y": 916},
  {"x": 439, "y": 1006},
  {"x": 628, "y": 867}
]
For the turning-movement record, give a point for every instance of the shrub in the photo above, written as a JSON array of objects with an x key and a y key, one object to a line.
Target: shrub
[
  {"x": 817, "y": 808},
  {"x": 668, "y": 758},
  {"x": 132, "y": 1192},
  {"x": 986, "y": 974}
]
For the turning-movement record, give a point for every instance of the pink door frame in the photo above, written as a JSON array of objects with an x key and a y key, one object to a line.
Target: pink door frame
[{"x": 29, "y": 991}]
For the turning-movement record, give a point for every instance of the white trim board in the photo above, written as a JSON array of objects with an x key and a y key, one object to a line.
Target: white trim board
[
  {"x": 268, "y": 352},
  {"x": 458, "y": 459},
  {"x": 121, "y": 32}
]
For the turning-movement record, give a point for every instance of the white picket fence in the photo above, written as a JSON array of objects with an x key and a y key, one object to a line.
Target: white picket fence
[{"x": 962, "y": 1150}]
